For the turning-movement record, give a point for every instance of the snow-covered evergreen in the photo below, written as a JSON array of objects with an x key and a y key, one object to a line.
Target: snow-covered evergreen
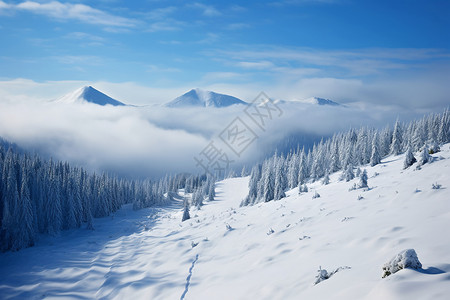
[{"x": 409, "y": 159}]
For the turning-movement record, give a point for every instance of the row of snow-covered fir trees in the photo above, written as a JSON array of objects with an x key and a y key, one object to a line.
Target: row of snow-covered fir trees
[
  {"x": 39, "y": 196},
  {"x": 343, "y": 152}
]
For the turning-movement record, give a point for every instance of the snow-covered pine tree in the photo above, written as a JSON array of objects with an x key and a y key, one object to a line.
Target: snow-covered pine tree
[
  {"x": 279, "y": 179},
  {"x": 444, "y": 128},
  {"x": 326, "y": 178},
  {"x": 335, "y": 164},
  {"x": 268, "y": 177},
  {"x": 425, "y": 157},
  {"x": 26, "y": 231},
  {"x": 244, "y": 171},
  {"x": 348, "y": 173},
  {"x": 197, "y": 198},
  {"x": 396, "y": 145},
  {"x": 386, "y": 139},
  {"x": 255, "y": 177},
  {"x": 363, "y": 179},
  {"x": 409, "y": 158},
  {"x": 293, "y": 169},
  {"x": 358, "y": 172},
  {"x": 211, "y": 192},
  {"x": 303, "y": 169},
  {"x": 53, "y": 204},
  {"x": 375, "y": 158},
  {"x": 186, "y": 215}
]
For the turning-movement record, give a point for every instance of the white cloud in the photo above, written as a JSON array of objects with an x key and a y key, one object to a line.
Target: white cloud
[
  {"x": 160, "y": 13},
  {"x": 84, "y": 36},
  {"x": 167, "y": 25},
  {"x": 255, "y": 64},
  {"x": 67, "y": 11},
  {"x": 4, "y": 5},
  {"x": 207, "y": 10},
  {"x": 79, "y": 59},
  {"x": 153, "y": 140},
  {"x": 358, "y": 62},
  {"x": 223, "y": 75},
  {"x": 237, "y": 26},
  {"x": 159, "y": 69}
]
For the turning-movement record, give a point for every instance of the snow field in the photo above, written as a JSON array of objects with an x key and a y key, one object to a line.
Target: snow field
[{"x": 148, "y": 254}]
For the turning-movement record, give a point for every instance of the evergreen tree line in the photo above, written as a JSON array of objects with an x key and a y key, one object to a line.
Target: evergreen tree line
[
  {"x": 40, "y": 196},
  {"x": 343, "y": 152},
  {"x": 204, "y": 191}
]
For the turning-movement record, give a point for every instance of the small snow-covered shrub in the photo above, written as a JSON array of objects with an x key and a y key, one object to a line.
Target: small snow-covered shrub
[
  {"x": 405, "y": 259},
  {"x": 229, "y": 228},
  {"x": 321, "y": 275},
  {"x": 360, "y": 197},
  {"x": 193, "y": 244},
  {"x": 302, "y": 189},
  {"x": 270, "y": 231},
  {"x": 316, "y": 195},
  {"x": 434, "y": 148},
  {"x": 436, "y": 186},
  {"x": 324, "y": 274},
  {"x": 326, "y": 179}
]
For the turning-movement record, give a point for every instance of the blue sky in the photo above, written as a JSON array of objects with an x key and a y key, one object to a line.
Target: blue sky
[{"x": 380, "y": 52}]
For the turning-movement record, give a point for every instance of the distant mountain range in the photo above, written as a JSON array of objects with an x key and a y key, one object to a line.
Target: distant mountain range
[
  {"x": 88, "y": 94},
  {"x": 201, "y": 98},
  {"x": 312, "y": 101},
  {"x": 193, "y": 98}
]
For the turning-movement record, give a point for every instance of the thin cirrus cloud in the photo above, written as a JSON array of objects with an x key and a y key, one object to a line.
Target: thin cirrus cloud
[
  {"x": 357, "y": 62},
  {"x": 207, "y": 10},
  {"x": 67, "y": 11}
]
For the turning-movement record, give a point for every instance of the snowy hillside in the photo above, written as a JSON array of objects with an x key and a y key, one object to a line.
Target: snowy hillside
[
  {"x": 201, "y": 98},
  {"x": 88, "y": 94},
  {"x": 267, "y": 251}
]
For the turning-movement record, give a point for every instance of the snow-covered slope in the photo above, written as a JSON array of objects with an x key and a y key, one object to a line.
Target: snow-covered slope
[
  {"x": 268, "y": 251},
  {"x": 88, "y": 94},
  {"x": 201, "y": 98}
]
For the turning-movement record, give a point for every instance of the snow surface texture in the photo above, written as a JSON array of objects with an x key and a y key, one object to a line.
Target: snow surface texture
[
  {"x": 148, "y": 254},
  {"x": 405, "y": 259},
  {"x": 88, "y": 94},
  {"x": 201, "y": 98}
]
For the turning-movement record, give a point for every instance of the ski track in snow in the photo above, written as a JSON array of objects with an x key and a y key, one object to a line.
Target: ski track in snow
[
  {"x": 188, "y": 279},
  {"x": 145, "y": 254}
]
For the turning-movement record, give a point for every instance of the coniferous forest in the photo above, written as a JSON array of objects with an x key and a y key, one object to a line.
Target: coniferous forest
[
  {"x": 41, "y": 196},
  {"x": 345, "y": 152}
]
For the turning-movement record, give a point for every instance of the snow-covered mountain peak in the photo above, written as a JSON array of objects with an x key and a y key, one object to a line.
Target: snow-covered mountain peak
[
  {"x": 202, "y": 98},
  {"x": 88, "y": 94}
]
